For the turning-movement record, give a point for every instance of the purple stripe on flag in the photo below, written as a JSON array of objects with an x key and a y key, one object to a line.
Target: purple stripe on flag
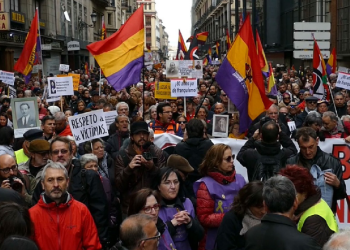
[
  {"x": 234, "y": 86},
  {"x": 328, "y": 69},
  {"x": 127, "y": 76},
  {"x": 273, "y": 90}
]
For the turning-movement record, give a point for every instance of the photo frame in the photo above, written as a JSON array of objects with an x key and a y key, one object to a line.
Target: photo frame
[
  {"x": 172, "y": 69},
  {"x": 220, "y": 125},
  {"x": 25, "y": 115}
]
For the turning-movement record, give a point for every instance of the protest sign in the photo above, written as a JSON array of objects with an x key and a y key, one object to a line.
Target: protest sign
[
  {"x": 162, "y": 91},
  {"x": 343, "y": 80},
  {"x": 110, "y": 117},
  {"x": 76, "y": 80},
  {"x": 184, "y": 88},
  {"x": 7, "y": 77},
  {"x": 184, "y": 68},
  {"x": 60, "y": 86},
  {"x": 12, "y": 92},
  {"x": 64, "y": 67},
  {"x": 88, "y": 126}
]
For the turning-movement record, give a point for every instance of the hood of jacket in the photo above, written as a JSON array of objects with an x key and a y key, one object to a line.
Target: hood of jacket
[
  {"x": 267, "y": 148},
  {"x": 44, "y": 202}
]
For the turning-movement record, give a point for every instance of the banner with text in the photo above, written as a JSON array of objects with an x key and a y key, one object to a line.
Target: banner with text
[
  {"x": 184, "y": 68},
  {"x": 60, "y": 86},
  {"x": 110, "y": 117},
  {"x": 162, "y": 90},
  {"x": 337, "y": 147},
  {"x": 184, "y": 87},
  {"x": 88, "y": 126},
  {"x": 64, "y": 67},
  {"x": 343, "y": 80},
  {"x": 7, "y": 77},
  {"x": 76, "y": 80}
]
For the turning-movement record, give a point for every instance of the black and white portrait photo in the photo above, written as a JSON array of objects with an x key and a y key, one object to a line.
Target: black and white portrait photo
[
  {"x": 198, "y": 65},
  {"x": 172, "y": 69},
  {"x": 25, "y": 115},
  {"x": 53, "y": 87},
  {"x": 220, "y": 125}
]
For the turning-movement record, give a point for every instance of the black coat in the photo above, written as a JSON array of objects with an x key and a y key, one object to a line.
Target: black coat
[
  {"x": 252, "y": 150},
  {"x": 194, "y": 150},
  {"x": 299, "y": 120},
  {"x": 115, "y": 142},
  {"x": 93, "y": 196},
  {"x": 228, "y": 237},
  {"x": 324, "y": 161},
  {"x": 277, "y": 232},
  {"x": 340, "y": 111}
]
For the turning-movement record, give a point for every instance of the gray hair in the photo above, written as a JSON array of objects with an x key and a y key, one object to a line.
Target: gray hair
[
  {"x": 331, "y": 115},
  {"x": 279, "y": 194},
  {"x": 152, "y": 107},
  {"x": 53, "y": 165},
  {"x": 338, "y": 94},
  {"x": 86, "y": 158},
  {"x": 339, "y": 241},
  {"x": 59, "y": 116},
  {"x": 119, "y": 116},
  {"x": 275, "y": 107},
  {"x": 120, "y": 104},
  {"x": 345, "y": 117},
  {"x": 140, "y": 84},
  {"x": 151, "y": 133}
]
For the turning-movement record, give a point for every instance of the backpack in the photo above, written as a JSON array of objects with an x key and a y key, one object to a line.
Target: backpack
[{"x": 267, "y": 167}]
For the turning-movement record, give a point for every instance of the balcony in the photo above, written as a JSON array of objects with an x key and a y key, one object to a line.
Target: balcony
[{"x": 124, "y": 4}]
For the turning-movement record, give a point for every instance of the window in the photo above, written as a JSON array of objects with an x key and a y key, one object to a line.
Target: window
[
  {"x": 343, "y": 25},
  {"x": 69, "y": 10},
  {"x": 75, "y": 13},
  {"x": 109, "y": 19}
]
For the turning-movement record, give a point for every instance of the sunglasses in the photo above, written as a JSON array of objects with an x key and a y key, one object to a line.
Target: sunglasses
[
  {"x": 63, "y": 152},
  {"x": 230, "y": 158},
  {"x": 312, "y": 102},
  {"x": 181, "y": 122}
]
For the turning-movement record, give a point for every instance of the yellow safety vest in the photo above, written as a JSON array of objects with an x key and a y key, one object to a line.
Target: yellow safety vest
[
  {"x": 321, "y": 209},
  {"x": 21, "y": 156}
]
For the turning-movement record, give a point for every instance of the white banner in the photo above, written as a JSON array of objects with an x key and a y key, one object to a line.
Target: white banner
[
  {"x": 60, "y": 86},
  {"x": 110, "y": 117},
  {"x": 337, "y": 147},
  {"x": 64, "y": 67},
  {"x": 343, "y": 80},
  {"x": 184, "y": 68},
  {"x": 184, "y": 87},
  {"x": 88, "y": 126},
  {"x": 7, "y": 77}
]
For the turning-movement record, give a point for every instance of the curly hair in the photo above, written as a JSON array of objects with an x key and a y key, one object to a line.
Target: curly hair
[
  {"x": 213, "y": 159},
  {"x": 301, "y": 178}
]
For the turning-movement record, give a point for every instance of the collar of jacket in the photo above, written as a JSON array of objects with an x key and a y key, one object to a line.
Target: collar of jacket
[
  {"x": 164, "y": 125},
  {"x": 122, "y": 134},
  {"x": 266, "y": 148},
  {"x": 48, "y": 203},
  {"x": 222, "y": 178},
  {"x": 308, "y": 202},
  {"x": 278, "y": 219},
  {"x": 176, "y": 203}
]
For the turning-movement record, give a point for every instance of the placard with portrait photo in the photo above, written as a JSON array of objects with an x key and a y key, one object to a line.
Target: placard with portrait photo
[
  {"x": 220, "y": 125},
  {"x": 25, "y": 115}
]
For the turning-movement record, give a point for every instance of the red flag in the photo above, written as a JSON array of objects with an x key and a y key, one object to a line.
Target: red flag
[{"x": 321, "y": 89}]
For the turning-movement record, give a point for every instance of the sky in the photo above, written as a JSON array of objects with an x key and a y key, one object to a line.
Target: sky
[{"x": 175, "y": 14}]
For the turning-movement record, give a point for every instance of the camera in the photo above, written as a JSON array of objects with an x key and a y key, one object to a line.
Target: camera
[
  {"x": 14, "y": 184},
  {"x": 147, "y": 155}
]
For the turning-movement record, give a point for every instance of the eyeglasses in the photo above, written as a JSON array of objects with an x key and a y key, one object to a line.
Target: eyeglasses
[
  {"x": 230, "y": 158},
  {"x": 157, "y": 237},
  {"x": 312, "y": 102},
  {"x": 273, "y": 113},
  {"x": 224, "y": 95},
  {"x": 181, "y": 122},
  {"x": 56, "y": 152},
  {"x": 7, "y": 170},
  {"x": 169, "y": 183},
  {"x": 149, "y": 209}
]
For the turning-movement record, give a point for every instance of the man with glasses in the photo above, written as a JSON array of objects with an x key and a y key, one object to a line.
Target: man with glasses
[
  {"x": 138, "y": 232},
  {"x": 311, "y": 105},
  {"x": 31, "y": 169},
  {"x": 11, "y": 178},
  {"x": 164, "y": 122},
  {"x": 84, "y": 185},
  {"x": 262, "y": 154}
]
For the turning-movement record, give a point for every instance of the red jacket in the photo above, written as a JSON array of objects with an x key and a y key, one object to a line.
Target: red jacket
[
  {"x": 66, "y": 131},
  {"x": 341, "y": 133},
  {"x": 206, "y": 206},
  {"x": 66, "y": 226}
]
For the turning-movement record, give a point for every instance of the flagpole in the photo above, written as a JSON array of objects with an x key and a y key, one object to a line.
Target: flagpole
[
  {"x": 41, "y": 53},
  {"x": 211, "y": 84}
]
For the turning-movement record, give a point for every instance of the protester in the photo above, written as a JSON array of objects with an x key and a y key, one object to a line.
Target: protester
[
  {"x": 115, "y": 141},
  {"x": 216, "y": 191},
  {"x": 333, "y": 127},
  {"x": 277, "y": 229},
  {"x": 6, "y": 141},
  {"x": 22, "y": 155},
  {"x": 48, "y": 125},
  {"x": 246, "y": 212},
  {"x": 56, "y": 202}
]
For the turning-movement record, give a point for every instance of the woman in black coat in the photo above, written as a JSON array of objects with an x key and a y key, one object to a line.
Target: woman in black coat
[{"x": 247, "y": 211}]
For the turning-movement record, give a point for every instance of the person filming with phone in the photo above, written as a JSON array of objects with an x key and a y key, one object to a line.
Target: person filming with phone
[{"x": 137, "y": 164}]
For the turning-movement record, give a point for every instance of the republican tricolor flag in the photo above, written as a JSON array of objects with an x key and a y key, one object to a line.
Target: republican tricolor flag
[
  {"x": 104, "y": 32},
  {"x": 331, "y": 66},
  {"x": 228, "y": 40},
  {"x": 120, "y": 56},
  {"x": 320, "y": 86},
  {"x": 181, "y": 48},
  {"x": 241, "y": 79}
]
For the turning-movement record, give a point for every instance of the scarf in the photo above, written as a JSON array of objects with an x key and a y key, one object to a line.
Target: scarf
[
  {"x": 249, "y": 221},
  {"x": 103, "y": 168}
]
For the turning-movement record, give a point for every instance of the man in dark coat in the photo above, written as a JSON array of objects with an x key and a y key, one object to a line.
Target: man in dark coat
[
  {"x": 254, "y": 150},
  {"x": 311, "y": 105},
  {"x": 277, "y": 229},
  {"x": 115, "y": 141},
  {"x": 310, "y": 154}
]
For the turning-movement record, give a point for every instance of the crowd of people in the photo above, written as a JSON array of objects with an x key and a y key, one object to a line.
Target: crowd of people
[{"x": 123, "y": 191}]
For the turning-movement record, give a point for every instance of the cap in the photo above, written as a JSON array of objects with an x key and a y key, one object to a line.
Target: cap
[
  {"x": 53, "y": 109},
  {"x": 178, "y": 162},
  {"x": 137, "y": 127},
  {"x": 311, "y": 99},
  {"x": 33, "y": 134},
  {"x": 322, "y": 101},
  {"x": 94, "y": 93},
  {"x": 39, "y": 145}
]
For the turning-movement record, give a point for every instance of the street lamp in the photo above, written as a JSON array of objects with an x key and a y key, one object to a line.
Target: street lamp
[{"x": 82, "y": 24}]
